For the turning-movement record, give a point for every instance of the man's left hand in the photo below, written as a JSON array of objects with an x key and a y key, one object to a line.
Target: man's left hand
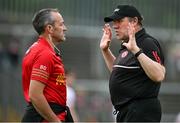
[{"x": 131, "y": 44}]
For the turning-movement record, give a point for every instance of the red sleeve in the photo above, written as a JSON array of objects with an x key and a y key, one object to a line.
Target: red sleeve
[{"x": 42, "y": 67}]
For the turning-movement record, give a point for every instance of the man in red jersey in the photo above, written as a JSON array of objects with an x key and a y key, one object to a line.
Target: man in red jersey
[{"x": 43, "y": 75}]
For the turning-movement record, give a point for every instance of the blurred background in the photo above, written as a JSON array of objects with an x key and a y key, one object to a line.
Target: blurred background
[{"x": 84, "y": 20}]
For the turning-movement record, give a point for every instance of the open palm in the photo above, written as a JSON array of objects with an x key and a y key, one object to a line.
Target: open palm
[
  {"x": 106, "y": 38},
  {"x": 131, "y": 44}
]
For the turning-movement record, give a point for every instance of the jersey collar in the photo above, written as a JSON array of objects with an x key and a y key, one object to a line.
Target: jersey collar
[
  {"x": 43, "y": 41},
  {"x": 139, "y": 33}
]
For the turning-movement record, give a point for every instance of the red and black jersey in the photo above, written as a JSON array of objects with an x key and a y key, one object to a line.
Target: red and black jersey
[
  {"x": 42, "y": 64},
  {"x": 128, "y": 80}
]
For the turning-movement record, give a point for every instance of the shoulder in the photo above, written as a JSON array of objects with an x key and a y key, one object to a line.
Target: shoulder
[
  {"x": 45, "y": 52},
  {"x": 149, "y": 41},
  {"x": 151, "y": 47},
  {"x": 43, "y": 56}
]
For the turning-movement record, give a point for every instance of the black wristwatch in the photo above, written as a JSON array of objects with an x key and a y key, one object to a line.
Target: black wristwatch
[{"x": 138, "y": 53}]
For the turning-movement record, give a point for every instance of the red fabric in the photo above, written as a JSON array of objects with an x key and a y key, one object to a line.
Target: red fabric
[
  {"x": 41, "y": 63},
  {"x": 156, "y": 56}
]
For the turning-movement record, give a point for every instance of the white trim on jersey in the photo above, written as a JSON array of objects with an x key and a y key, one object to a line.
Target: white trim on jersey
[{"x": 128, "y": 67}]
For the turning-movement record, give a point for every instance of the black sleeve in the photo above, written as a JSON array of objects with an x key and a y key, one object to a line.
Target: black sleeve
[{"x": 152, "y": 49}]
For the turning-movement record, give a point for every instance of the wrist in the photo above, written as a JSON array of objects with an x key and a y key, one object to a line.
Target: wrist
[
  {"x": 105, "y": 49},
  {"x": 138, "y": 53},
  {"x": 135, "y": 50}
]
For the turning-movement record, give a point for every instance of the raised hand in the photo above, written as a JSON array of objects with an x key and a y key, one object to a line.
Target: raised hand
[
  {"x": 106, "y": 38},
  {"x": 131, "y": 44}
]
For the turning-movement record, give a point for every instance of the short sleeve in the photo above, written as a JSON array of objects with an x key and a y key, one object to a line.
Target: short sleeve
[
  {"x": 42, "y": 67},
  {"x": 152, "y": 49}
]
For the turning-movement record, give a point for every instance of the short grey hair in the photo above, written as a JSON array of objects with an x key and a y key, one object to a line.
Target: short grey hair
[{"x": 42, "y": 18}]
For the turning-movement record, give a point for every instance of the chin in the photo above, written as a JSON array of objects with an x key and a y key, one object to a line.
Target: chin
[
  {"x": 119, "y": 38},
  {"x": 123, "y": 38},
  {"x": 64, "y": 39}
]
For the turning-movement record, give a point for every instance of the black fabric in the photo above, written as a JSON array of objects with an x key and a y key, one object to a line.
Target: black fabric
[
  {"x": 69, "y": 117},
  {"x": 128, "y": 81},
  {"x": 31, "y": 115},
  {"x": 123, "y": 11},
  {"x": 142, "y": 110}
]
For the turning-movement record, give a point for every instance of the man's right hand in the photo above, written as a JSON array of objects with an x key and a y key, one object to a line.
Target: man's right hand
[{"x": 106, "y": 38}]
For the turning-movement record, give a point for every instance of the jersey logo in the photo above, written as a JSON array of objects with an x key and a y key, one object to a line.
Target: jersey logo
[
  {"x": 116, "y": 10},
  {"x": 60, "y": 80},
  {"x": 124, "y": 54},
  {"x": 42, "y": 67}
]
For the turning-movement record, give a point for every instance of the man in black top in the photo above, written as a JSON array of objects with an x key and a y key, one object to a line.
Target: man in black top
[{"x": 137, "y": 72}]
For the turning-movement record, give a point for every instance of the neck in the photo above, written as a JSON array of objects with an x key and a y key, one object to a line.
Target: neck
[
  {"x": 49, "y": 40},
  {"x": 138, "y": 28}
]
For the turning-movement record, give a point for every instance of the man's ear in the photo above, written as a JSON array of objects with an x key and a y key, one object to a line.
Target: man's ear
[
  {"x": 49, "y": 28},
  {"x": 135, "y": 21}
]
